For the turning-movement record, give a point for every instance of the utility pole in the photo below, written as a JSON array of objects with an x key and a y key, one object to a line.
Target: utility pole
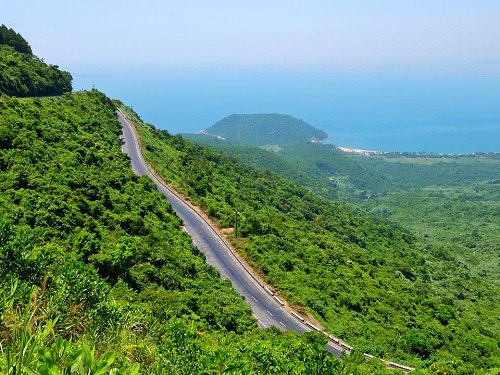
[{"x": 236, "y": 223}]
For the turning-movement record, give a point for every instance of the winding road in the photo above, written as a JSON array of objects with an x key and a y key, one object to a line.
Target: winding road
[{"x": 266, "y": 308}]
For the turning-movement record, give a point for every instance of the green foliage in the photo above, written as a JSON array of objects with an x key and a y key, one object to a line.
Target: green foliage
[
  {"x": 449, "y": 201},
  {"x": 413, "y": 171},
  {"x": 327, "y": 171},
  {"x": 265, "y": 129},
  {"x": 10, "y": 38},
  {"x": 23, "y": 74},
  {"x": 26, "y": 75},
  {"x": 369, "y": 281},
  {"x": 96, "y": 275},
  {"x": 460, "y": 226}
]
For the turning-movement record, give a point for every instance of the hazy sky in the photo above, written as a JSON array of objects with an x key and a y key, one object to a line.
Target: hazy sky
[{"x": 259, "y": 33}]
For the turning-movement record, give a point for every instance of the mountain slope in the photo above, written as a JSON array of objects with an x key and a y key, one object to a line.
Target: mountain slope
[
  {"x": 368, "y": 282},
  {"x": 11, "y": 38},
  {"x": 23, "y": 74},
  {"x": 96, "y": 274},
  {"x": 92, "y": 256},
  {"x": 449, "y": 201}
]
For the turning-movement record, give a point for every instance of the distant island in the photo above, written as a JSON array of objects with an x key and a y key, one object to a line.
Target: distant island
[{"x": 271, "y": 129}]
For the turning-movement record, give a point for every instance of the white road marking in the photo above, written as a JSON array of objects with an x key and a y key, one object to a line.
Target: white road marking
[
  {"x": 269, "y": 312},
  {"x": 283, "y": 325},
  {"x": 255, "y": 299},
  {"x": 259, "y": 321}
]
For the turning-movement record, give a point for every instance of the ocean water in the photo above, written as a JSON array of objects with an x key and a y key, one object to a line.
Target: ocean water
[{"x": 366, "y": 110}]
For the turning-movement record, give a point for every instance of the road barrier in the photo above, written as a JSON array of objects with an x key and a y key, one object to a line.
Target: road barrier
[
  {"x": 268, "y": 290},
  {"x": 297, "y": 316},
  {"x": 334, "y": 339},
  {"x": 279, "y": 301},
  {"x": 346, "y": 347},
  {"x": 309, "y": 324}
]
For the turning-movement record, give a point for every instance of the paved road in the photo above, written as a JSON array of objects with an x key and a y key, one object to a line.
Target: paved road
[{"x": 264, "y": 307}]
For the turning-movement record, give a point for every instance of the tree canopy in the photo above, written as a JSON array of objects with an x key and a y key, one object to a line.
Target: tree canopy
[
  {"x": 96, "y": 274},
  {"x": 365, "y": 279},
  {"x": 11, "y": 38},
  {"x": 265, "y": 129},
  {"x": 23, "y": 74}
]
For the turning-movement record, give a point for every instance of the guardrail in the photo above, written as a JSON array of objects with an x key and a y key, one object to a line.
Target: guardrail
[
  {"x": 279, "y": 301},
  {"x": 343, "y": 346},
  {"x": 297, "y": 316}
]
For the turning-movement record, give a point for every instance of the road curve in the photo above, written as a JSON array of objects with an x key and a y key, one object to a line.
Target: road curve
[{"x": 264, "y": 307}]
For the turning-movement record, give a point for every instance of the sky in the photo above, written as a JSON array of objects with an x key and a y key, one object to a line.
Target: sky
[{"x": 260, "y": 34}]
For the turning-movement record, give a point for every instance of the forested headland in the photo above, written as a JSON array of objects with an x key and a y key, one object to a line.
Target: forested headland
[{"x": 266, "y": 129}]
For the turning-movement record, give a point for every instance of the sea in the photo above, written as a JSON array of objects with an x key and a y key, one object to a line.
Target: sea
[{"x": 385, "y": 111}]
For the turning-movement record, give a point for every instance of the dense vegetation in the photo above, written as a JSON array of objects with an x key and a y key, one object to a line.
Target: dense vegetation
[
  {"x": 23, "y": 74},
  {"x": 461, "y": 224},
  {"x": 11, "y": 38},
  {"x": 450, "y": 202},
  {"x": 370, "y": 282},
  {"x": 334, "y": 174},
  {"x": 265, "y": 129},
  {"x": 96, "y": 274}
]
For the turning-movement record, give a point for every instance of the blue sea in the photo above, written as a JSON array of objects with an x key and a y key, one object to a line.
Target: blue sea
[{"x": 367, "y": 110}]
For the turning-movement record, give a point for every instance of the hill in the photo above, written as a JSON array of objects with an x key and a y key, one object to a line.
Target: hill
[
  {"x": 265, "y": 130},
  {"x": 11, "y": 38},
  {"x": 450, "y": 202},
  {"x": 367, "y": 280},
  {"x": 23, "y": 74},
  {"x": 96, "y": 274}
]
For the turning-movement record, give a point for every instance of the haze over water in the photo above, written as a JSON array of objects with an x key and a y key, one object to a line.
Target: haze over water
[
  {"x": 336, "y": 64},
  {"x": 446, "y": 113}
]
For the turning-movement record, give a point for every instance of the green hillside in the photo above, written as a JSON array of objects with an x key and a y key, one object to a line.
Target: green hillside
[
  {"x": 96, "y": 275},
  {"x": 450, "y": 202},
  {"x": 265, "y": 129},
  {"x": 23, "y": 74},
  {"x": 308, "y": 176},
  {"x": 11, "y": 38},
  {"x": 371, "y": 282},
  {"x": 325, "y": 170}
]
